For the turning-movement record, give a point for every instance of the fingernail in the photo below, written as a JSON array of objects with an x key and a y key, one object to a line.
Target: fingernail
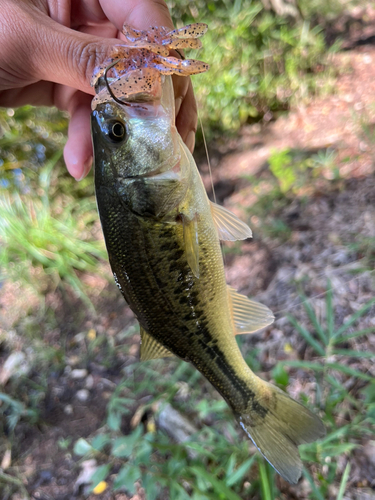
[
  {"x": 190, "y": 140},
  {"x": 86, "y": 169}
]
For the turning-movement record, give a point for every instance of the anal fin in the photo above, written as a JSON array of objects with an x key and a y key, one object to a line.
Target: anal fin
[
  {"x": 248, "y": 316},
  {"x": 151, "y": 348},
  {"x": 228, "y": 225}
]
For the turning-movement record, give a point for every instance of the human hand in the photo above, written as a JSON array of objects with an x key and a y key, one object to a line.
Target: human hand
[{"x": 48, "y": 53}]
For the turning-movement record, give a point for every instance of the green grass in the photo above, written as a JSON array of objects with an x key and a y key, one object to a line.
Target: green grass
[
  {"x": 259, "y": 62},
  {"x": 292, "y": 175},
  {"x": 45, "y": 244}
]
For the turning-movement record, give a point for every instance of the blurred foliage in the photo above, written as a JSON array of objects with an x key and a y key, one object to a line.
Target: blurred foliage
[
  {"x": 258, "y": 61},
  {"x": 28, "y": 137},
  {"x": 292, "y": 175},
  {"x": 43, "y": 243},
  {"x": 294, "y": 169}
]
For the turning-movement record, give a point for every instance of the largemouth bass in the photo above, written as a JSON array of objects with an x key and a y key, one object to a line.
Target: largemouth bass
[{"x": 163, "y": 241}]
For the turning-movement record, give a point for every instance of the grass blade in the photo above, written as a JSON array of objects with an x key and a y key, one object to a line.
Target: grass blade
[
  {"x": 315, "y": 490},
  {"x": 307, "y": 336},
  {"x": 314, "y": 320},
  {"x": 308, "y": 365},
  {"x": 264, "y": 481},
  {"x": 349, "y": 371},
  {"x": 344, "y": 480},
  {"x": 241, "y": 471},
  {"x": 353, "y": 335},
  {"x": 330, "y": 312},
  {"x": 354, "y": 354},
  {"x": 219, "y": 486},
  {"x": 343, "y": 391},
  {"x": 353, "y": 318}
]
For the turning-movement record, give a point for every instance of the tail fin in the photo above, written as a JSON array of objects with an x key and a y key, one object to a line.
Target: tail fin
[{"x": 277, "y": 425}]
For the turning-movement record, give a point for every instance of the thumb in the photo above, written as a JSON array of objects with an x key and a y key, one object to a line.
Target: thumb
[{"x": 34, "y": 48}]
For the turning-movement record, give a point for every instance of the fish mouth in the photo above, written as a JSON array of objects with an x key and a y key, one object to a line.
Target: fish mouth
[
  {"x": 172, "y": 173},
  {"x": 161, "y": 173}
]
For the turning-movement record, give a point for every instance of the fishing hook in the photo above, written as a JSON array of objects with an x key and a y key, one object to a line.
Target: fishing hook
[{"x": 110, "y": 66}]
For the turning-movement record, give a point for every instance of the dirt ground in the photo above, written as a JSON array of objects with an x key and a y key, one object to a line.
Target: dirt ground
[{"x": 322, "y": 230}]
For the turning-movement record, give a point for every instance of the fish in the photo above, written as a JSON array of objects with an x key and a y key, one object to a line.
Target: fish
[{"x": 163, "y": 235}]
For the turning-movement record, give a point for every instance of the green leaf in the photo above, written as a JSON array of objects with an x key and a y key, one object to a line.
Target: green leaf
[
  {"x": 126, "y": 478},
  {"x": 314, "y": 320},
  {"x": 354, "y": 318},
  {"x": 280, "y": 376},
  {"x": 202, "y": 450},
  {"x": 114, "y": 420},
  {"x": 349, "y": 371},
  {"x": 151, "y": 486},
  {"x": 308, "y": 365},
  {"x": 177, "y": 491},
  {"x": 369, "y": 393},
  {"x": 144, "y": 452},
  {"x": 264, "y": 480},
  {"x": 241, "y": 471},
  {"x": 230, "y": 466},
  {"x": 123, "y": 446},
  {"x": 307, "y": 336},
  {"x": 354, "y": 354},
  {"x": 344, "y": 480},
  {"x": 351, "y": 335},
  {"x": 221, "y": 488},
  {"x": 100, "y": 441},
  {"x": 316, "y": 491},
  {"x": 329, "y": 310},
  {"x": 346, "y": 395},
  {"x": 337, "y": 449},
  {"x": 81, "y": 447},
  {"x": 99, "y": 475}
]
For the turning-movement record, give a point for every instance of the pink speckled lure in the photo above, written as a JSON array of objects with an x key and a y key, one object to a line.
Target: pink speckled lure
[{"x": 137, "y": 64}]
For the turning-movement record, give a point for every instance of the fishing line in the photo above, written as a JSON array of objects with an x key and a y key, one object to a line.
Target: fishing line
[
  {"x": 211, "y": 180},
  {"x": 208, "y": 158}
]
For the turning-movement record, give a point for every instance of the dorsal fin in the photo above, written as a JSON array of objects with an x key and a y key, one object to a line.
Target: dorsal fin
[
  {"x": 151, "y": 348},
  {"x": 228, "y": 225},
  {"x": 248, "y": 316},
  {"x": 191, "y": 243}
]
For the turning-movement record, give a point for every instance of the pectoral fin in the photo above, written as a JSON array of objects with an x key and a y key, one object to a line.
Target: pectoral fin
[
  {"x": 191, "y": 244},
  {"x": 151, "y": 348},
  {"x": 228, "y": 225},
  {"x": 248, "y": 315}
]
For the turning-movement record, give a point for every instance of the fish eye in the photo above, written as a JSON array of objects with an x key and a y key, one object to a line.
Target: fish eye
[{"x": 116, "y": 131}]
